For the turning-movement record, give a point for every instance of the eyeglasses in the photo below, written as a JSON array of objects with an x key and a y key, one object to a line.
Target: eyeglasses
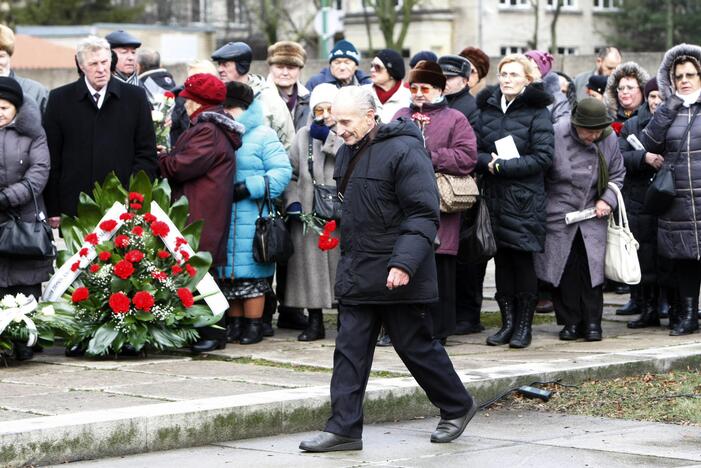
[
  {"x": 425, "y": 89},
  {"x": 687, "y": 76},
  {"x": 621, "y": 89},
  {"x": 319, "y": 111},
  {"x": 376, "y": 67},
  {"x": 512, "y": 76}
]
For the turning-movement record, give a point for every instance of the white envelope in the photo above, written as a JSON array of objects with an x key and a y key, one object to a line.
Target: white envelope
[{"x": 506, "y": 148}]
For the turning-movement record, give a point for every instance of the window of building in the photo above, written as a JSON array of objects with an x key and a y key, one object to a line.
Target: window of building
[
  {"x": 566, "y": 4},
  {"x": 567, "y": 50},
  {"x": 607, "y": 5},
  {"x": 506, "y": 50},
  {"x": 514, "y": 4}
]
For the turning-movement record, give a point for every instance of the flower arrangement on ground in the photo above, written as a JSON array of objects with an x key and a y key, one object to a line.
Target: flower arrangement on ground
[{"x": 134, "y": 278}]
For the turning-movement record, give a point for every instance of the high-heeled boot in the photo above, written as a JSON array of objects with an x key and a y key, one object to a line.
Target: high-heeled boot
[
  {"x": 253, "y": 333},
  {"x": 688, "y": 322}
]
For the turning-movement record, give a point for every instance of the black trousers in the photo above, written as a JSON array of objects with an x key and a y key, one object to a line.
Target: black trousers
[
  {"x": 443, "y": 311},
  {"x": 514, "y": 272},
  {"x": 409, "y": 327},
  {"x": 575, "y": 300},
  {"x": 688, "y": 274},
  {"x": 469, "y": 279}
]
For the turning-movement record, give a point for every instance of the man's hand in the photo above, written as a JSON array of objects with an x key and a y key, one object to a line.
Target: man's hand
[
  {"x": 602, "y": 209},
  {"x": 54, "y": 222},
  {"x": 654, "y": 160},
  {"x": 396, "y": 278}
]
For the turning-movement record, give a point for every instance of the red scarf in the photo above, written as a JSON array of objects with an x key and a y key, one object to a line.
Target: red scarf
[{"x": 383, "y": 95}]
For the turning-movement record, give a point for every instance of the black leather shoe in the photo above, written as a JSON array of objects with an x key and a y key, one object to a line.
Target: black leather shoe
[
  {"x": 630, "y": 308},
  {"x": 75, "y": 351},
  {"x": 129, "y": 351},
  {"x": 22, "y": 352},
  {"x": 468, "y": 328},
  {"x": 622, "y": 289},
  {"x": 593, "y": 332},
  {"x": 328, "y": 442},
  {"x": 253, "y": 333},
  {"x": 450, "y": 429},
  {"x": 384, "y": 341},
  {"x": 291, "y": 318},
  {"x": 268, "y": 329},
  {"x": 205, "y": 346},
  {"x": 569, "y": 333}
]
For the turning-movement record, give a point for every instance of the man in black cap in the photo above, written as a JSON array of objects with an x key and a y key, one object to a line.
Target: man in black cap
[
  {"x": 596, "y": 86},
  {"x": 124, "y": 46},
  {"x": 234, "y": 63},
  {"x": 457, "y": 92}
]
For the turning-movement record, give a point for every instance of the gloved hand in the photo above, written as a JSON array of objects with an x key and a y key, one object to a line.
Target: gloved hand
[
  {"x": 241, "y": 191},
  {"x": 293, "y": 210}
]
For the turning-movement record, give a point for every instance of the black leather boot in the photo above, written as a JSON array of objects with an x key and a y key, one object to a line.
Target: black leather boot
[
  {"x": 507, "y": 308},
  {"x": 663, "y": 304},
  {"x": 315, "y": 330},
  {"x": 632, "y": 307},
  {"x": 674, "y": 307},
  {"x": 268, "y": 312},
  {"x": 234, "y": 328},
  {"x": 688, "y": 317},
  {"x": 253, "y": 333},
  {"x": 648, "y": 315},
  {"x": 22, "y": 351},
  {"x": 525, "y": 308},
  {"x": 206, "y": 345},
  {"x": 292, "y": 318}
]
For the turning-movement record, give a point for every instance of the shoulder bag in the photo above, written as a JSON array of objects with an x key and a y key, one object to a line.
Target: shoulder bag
[
  {"x": 477, "y": 241},
  {"x": 271, "y": 241},
  {"x": 327, "y": 204},
  {"x": 621, "y": 261},
  {"x": 27, "y": 239},
  {"x": 661, "y": 191},
  {"x": 457, "y": 193}
]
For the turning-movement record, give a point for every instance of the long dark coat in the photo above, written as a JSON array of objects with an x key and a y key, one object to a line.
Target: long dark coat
[
  {"x": 678, "y": 229},
  {"x": 515, "y": 194},
  {"x": 390, "y": 219},
  {"x": 571, "y": 186},
  {"x": 87, "y": 143},
  {"x": 24, "y": 159},
  {"x": 202, "y": 164}
]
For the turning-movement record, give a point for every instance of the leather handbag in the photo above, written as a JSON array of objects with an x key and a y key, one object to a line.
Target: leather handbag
[
  {"x": 27, "y": 239},
  {"x": 457, "y": 193},
  {"x": 477, "y": 241},
  {"x": 661, "y": 191},
  {"x": 327, "y": 204},
  {"x": 271, "y": 241},
  {"x": 621, "y": 261}
]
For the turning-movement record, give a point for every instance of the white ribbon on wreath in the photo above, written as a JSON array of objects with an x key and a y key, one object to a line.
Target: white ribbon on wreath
[{"x": 19, "y": 314}]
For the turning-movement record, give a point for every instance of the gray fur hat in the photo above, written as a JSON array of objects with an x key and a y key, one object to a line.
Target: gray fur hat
[
  {"x": 628, "y": 69},
  {"x": 665, "y": 82}
]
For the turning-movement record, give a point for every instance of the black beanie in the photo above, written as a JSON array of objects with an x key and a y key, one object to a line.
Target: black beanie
[
  {"x": 393, "y": 62},
  {"x": 238, "y": 95},
  {"x": 11, "y": 91}
]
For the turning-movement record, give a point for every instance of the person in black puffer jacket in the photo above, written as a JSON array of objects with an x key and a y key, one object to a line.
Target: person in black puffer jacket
[{"x": 514, "y": 190}]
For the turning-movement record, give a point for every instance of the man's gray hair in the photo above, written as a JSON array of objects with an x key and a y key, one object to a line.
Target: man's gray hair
[
  {"x": 360, "y": 95},
  {"x": 91, "y": 44},
  {"x": 148, "y": 59}
]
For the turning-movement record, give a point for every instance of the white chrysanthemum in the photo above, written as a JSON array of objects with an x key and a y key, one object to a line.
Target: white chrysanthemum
[
  {"x": 157, "y": 116},
  {"x": 48, "y": 310},
  {"x": 8, "y": 301}
]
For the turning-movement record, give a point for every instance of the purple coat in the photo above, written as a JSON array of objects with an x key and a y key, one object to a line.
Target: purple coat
[
  {"x": 570, "y": 185},
  {"x": 453, "y": 148}
]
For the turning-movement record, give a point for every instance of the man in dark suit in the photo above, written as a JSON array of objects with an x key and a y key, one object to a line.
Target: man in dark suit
[
  {"x": 387, "y": 271},
  {"x": 94, "y": 126}
]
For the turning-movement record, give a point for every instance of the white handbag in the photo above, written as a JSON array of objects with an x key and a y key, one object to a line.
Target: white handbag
[{"x": 621, "y": 262}]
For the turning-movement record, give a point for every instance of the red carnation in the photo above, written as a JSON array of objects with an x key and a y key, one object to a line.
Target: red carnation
[
  {"x": 80, "y": 294},
  {"x": 185, "y": 255},
  {"x": 75, "y": 266},
  {"x": 108, "y": 225},
  {"x": 119, "y": 303},
  {"x": 159, "y": 228},
  {"x": 135, "y": 206},
  {"x": 159, "y": 275},
  {"x": 83, "y": 252},
  {"x": 134, "y": 256},
  {"x": 124, "y": 269},
  {"x": 169, "y": 94},
  {"x": 121, "y": 241},
  {"x": 330, "y": 226},
  {"x": 617, "y": 126},
  {"x": 126, "y": 216},
  {"x": 104, "y": 256},
  {"x": 327, "y": 242},
  {"x": 136, "y": 196},
  {"x": 186, "y": 297},
  {"x": 163, "y": 254},
  {"x": 94, "y": 268},
  {"x": 149, "y": 218},
  {"x": 143, "y": 300},
  {"x": 91, "y": 238},
  {"x": 176, "y": 270},
  {"x": 190, "y": 271},
  {"x": 137, "y": 231},
  {"x": 179, "y": 241}
]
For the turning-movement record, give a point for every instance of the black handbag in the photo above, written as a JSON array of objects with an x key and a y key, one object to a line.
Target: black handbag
[
  {"x": 327, "y": 204},
  {"x": 27, "y": 239},
  {"x": 271, "y": 242},
  {"x": 477, "y": 241},
  {"x": 661, "y": 191}
]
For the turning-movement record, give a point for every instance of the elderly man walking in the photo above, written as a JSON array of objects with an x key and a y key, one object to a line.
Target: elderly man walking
[{"x": 387, "y": 271}]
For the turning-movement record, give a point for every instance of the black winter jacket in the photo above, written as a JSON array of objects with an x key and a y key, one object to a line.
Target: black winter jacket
[
  {"x": 390, "y": 219},
  {"x": 465, "y": 102},
  {"x": 515, "y": 194}
]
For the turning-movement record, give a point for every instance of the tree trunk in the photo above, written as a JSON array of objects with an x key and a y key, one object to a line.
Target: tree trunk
[
  {"x": 533, "y": 45},
  {"x": 553, "y": 27},
  {"x": 669, "y": 42}
]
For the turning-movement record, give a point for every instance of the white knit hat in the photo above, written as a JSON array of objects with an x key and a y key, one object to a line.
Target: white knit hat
[{"x": 325, "y": 92}]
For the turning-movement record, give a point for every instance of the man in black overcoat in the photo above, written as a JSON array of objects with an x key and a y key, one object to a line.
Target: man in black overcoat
[
  {"x": 387, "y": 271},
  {"x": 94, "y": 126}
]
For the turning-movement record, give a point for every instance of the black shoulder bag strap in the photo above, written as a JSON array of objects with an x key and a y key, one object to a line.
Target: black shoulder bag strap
[
  {"x": 310, "y": 160},
  {"x": 686, "y": 133},
  {"x": 267, "y": 201}
]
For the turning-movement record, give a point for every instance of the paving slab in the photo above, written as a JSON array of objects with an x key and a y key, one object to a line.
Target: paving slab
[
  {"x": 189, "y": 389},
  {"x": 68, "y": 402}
]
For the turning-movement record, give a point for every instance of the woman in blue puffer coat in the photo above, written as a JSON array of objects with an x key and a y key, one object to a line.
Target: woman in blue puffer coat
[{"x": 261, "y": 155}]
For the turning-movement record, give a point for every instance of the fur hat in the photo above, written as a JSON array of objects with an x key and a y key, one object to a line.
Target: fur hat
[
  {"x": 287, "y": 53},
  {"x": 628, "y": 69},
  {"x": 664, "y": 74},
  {"x": 11, "y": 91},
  {"x": 7, "y": 39},
  {"x": 478, "y": 60},
  {"x": 238, "y": 95},
  {"x": 428, "y": 72},
  {"x": 204, "y": 89},
  {"x": 324, "y": 92}
]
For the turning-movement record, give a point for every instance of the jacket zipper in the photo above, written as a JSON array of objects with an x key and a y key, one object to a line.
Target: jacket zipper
[{"x": 691, "y": 186}]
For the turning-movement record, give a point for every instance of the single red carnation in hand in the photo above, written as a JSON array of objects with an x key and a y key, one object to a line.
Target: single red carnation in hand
[
  {"x": 163, "y": 254},
  {"x": 119, "y": 303},
  {"x": 185, "y": 255},
  {"x": 134, "y": 256},
  {"x": 121, "y": 241},
  {"x": 136, "y": 196},
  {"x": 176, "y": 270},
  {"x": 149, "y": 218},
  {"x": 108, "y": 225},
  {"x": 135, "y": 206},
  {"x": 138, "y": 231},
  {"x": 104, "y": 256},
  {"x": 159, "y": 275},
  {"x": 83, "y": 252},
  {"x": 143, "y": 300},
  {"x": 169, "y": 94},
  {"x": 190, "y": 270},
  {"x": 94, "y": 268},
  {"x": 80, "y": 294},
  {"x": 617, "y": 126},
  {"x": 159, "y": 228},
  {"x": 330, "y": 226},
  {"x": 75, "y": 266},
  {"x": 327, "y": 242},
  {"x": 92, "y": 238},
  {"x": 180, "y": 241},
  {"x": 186, "y": 297},
  {"x": 124, "y": 269},
  {"x": 126, "y": 216}
]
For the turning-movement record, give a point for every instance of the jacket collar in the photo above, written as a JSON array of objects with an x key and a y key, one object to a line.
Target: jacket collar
[{"x": 113, "y": 88}]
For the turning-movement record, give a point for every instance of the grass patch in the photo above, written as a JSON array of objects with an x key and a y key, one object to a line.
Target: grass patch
[
  {"x": 674, "y": 397},
  {"x": 493, "y": 319}
]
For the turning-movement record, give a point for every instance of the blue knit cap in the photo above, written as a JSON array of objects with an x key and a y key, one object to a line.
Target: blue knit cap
[
  {"x": 422, "y": 55},
  {"x": 344, "y": 49}
]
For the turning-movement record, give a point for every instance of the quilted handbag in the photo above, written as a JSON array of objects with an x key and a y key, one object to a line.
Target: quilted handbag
[
  {"x": 27, "y": 239},
  {"x": 457, "y": 193},
  {"x": 621, "y": 263},
  {"x": 271, "y": 241}
]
